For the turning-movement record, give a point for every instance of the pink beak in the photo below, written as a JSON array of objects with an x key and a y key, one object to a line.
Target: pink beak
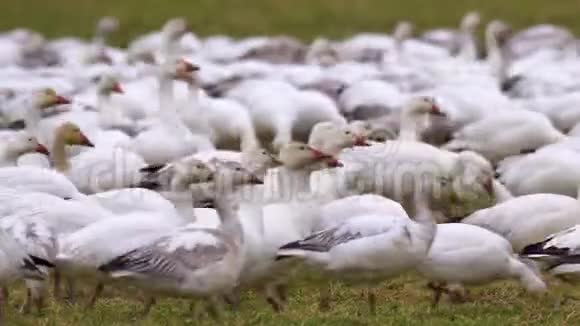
[
  {"x": 117, "y": 88},
  {"x": 41, "y": 149},
  {"x": 488, "y": 186},
  {"x": 319, "y": 155},
  {"x": 189, "y": 67},
  {"x": 61, "y": 100},
  {"x": 361, "y": 141},
  {"x": 85, "y": 141},
  {"x": 435, "y": 110},
  {"x": 334, "y": 163}
]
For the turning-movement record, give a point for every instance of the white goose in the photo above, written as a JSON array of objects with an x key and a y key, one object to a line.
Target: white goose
[
  {"x": 198, "y": 262},
  {"x": 17, "y": 264},
  {"x": 225, "y": 121},
  {"x": 169, "y": 139},
  {"x": 368, "y": 248},
  {"x": 528, "y": 219},
  {"x": 464, "y": 254},
  {"x": 558, "y": 252},
  {"x": 12, "y": 148},
  {"x": 552, "y": 169},
  {"x": 38, "y": 239},
  {"x": 505, "y": 134}
]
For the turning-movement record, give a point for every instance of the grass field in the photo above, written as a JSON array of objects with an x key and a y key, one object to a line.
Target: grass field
[
  {"x": 403, "y": 301},
  {"x": 303, "y": 18}
]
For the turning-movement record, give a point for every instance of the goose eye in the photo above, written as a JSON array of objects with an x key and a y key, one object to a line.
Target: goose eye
[
  {"x": 30, "y": 139},
  {"x": 264, "y": 153},
  {"x": 347, "y": 132},
  {"x": 302, "y": 148}
]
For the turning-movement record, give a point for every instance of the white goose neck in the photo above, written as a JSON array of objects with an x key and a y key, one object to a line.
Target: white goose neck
[
  {"x": 410, "y": 126},
  {"x": 228, "y": 215},
  {"x": 293, "y": 182}
]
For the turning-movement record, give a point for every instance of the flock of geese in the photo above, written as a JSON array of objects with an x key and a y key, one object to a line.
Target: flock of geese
[{"x": 205, "y": 167}]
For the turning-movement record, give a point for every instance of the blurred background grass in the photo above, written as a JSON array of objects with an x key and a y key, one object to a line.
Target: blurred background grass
[{"x": 302, "y": 18}]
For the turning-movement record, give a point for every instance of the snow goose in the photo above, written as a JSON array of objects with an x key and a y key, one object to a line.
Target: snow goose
[
  {"x": 505, "y": 134},
  {"x": 13, "y": 147},
  {"x": 191, "y": 261},
  {"x": 29, "y": 108},
  {"x": 369, "y": 248},
  {"x": 16, "y": 263},
  {"x": 45, "y": 180},
  {"x": 276, "y": 213},
  {"x": 460, "y": 182},
  {"x": 528, "y": 219},
  {"x": 552, "y": 169},
  {"x": 296, "y": 111},
  {"x": 463, "y": 254},
  {"x": 169, "y": 139},
  {"x": 330, "y": 138},
  {"x": 97, "y": 51},
  {"x": 461, "y": 42},
  {"x": 558, "y": 252},
  {"x": 94, "y": 170},
  {"x": 38, "y": 239},
  {"x": 225, "y": 121},
  {"x": 161, "y": 45}
]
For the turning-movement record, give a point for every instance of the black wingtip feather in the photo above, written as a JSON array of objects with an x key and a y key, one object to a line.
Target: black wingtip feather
[
  {"x": 152, "y": 168},
  {"x": 511, "y": 82},
  {"x": 41, "y": 261},
  {"x": 148, "y": 184},
  {"x": 116, "y": 263}
]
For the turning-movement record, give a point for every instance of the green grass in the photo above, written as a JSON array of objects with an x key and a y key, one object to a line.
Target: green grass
[
  {"x": 404, "y": 301},
  {"x": 303, "y": 18},
  {"x": 401, "y": 302}
]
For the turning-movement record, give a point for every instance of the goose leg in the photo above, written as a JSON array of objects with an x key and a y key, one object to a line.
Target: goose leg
[
  {"x": 324, "y": 301},
  {"x": 25, "y": 309},
  {"x": 282, "y": 292},
  {"x": 96, "y": 294},
  {"x": 438, "y": 291},
  {"x": 37, "y": 292},
  {"x": 56, "y": 285},
  {"x": 372, "y": 301},
  {"x": 148, "y": 304},
  {"x": 457, "y": 293},
  {"x": 5, "y": 292},
  {"x": 233, "y": 299},
  {"x": 70, "y": 291},
  {"x": 213, "y": 308},
  {"x": 272, "y": 298},
  {"x": 2, "y": 301}
]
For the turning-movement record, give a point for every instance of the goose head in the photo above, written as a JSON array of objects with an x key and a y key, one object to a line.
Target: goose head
[
  {"x": 422, "y": 105},
  {"x": 259, "y": 160},
  {"x": 24, "y": 143},
  {"x": 234, "y": 174},
  {"x": 297, "y": 156},
  {"x": 48, "y": 98},
  {"x": 193, "y": 171},
  {"x": 107, "y": 25},
  {"x": 473, "y": 179},
  {"x": 403, "y": 31},
  {"x": 470, "y": 21},
  {"x": 180, "y": 69},
  {"x": 70, "y": 134},
  {"x": 108, "y": 84},
  {"x": 497, "y": 34},
  {"x": 331, "y": 138},
  {"x": 415, "y": 116},
  {"x": 174, "y": 29},
  {"x": 372, "y": 131}
]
